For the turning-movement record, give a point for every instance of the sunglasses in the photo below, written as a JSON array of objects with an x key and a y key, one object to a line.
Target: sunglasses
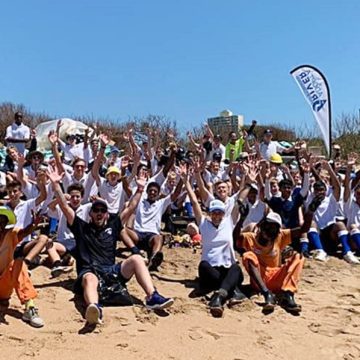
[{"x": 99, "y": 210}]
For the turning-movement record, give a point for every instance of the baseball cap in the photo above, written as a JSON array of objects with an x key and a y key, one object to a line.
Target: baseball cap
[
  {"x": 216, "y": 205},
  {"x": 267, "y": 131},
  {"x": 99, "y": 203},
  {"x": 273, "y": 217},
  {"x": 9, "y": 214},
  {"x": 113, "y": 169}
]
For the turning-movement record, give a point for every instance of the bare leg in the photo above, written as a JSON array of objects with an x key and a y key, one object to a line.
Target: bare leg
[
  {"x": 56, "y": 251},
  {"x": 255, "y": 275},
  {"x": 90, "y": 284},
  {"x": 156, "y": 243},
  {"x": 129, "y": 237},
  {"x": 34, "y": 248},
  {"x": 135, "y": 265}
]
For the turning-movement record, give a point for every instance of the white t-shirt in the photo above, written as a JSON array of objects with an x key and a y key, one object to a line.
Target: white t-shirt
[
  {"x": 23, "y": 214},
  {"x": 352, "y": 212},
  {"x": 19, "y": 132},
  {"x": 266, "y": 150},
  {"x": 63, "y": 232},
  {"x": 2, "y": 178},
  {"x": 212, "y": 178},
  {"x": 86, "y": 181},
  {"x": 111, "y": 194},
  {"x": 218, "y": 150},
  {"x": 256, "y": 212},
  {"x": 229, "y": 203},
  {"x": 326, "y": 213},
  {"x": 148, "y": 216},
  {"x": 72, "y": 151},
  {"x": 217, "y": 242}
]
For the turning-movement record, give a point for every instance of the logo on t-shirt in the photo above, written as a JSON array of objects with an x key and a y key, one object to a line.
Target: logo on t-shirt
[{"x": 108, "y": 231}]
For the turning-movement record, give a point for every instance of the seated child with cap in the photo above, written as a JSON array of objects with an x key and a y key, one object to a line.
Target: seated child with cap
[
  {"x": 262, "y": 258},
  {"x": 218, "y": 269}
]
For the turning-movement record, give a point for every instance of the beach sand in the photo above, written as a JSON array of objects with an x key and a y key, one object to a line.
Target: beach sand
[{"x": 327, "y": 328}]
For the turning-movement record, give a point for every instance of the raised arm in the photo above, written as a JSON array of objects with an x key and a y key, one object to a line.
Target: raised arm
[
  {"x": 104, "y": 140},
  {"x": 350, "y": 163},
  {"x": 54, "y": 139},
  {"x": 20, "y": 169},
  {"x": 131, "y": 208},
  {"x": 204, "y": 192},
  {"x": 334, "y": 180},
  {"x": 41, "y": 184},
  {"x": 308, "y": 216},
  {"x": 55, "y": 179},
  {"x": 192, "y": 196}
]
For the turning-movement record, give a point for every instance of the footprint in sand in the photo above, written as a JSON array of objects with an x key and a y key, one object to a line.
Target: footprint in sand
[
  {"x": 197, "y": 333},
  {"x": 334, "y": 320}
]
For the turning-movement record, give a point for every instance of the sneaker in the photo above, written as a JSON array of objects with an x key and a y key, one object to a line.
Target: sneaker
[
  {"x": 32, "y": 317},
  {"x": 351, "y": 258},
  {"x": 93, "y": 314},
  {"x": 320, "y": 255},
  {"x": 217, "y": 302},
  {"x": 270, "y": 302},
  {"x": 155, "y": 261},
  {"x": 237, "y": 297},
  {"x": 61, "y": 269},
  {"x": 287, "y": 302},
  {"x": 158, "y": 302}
]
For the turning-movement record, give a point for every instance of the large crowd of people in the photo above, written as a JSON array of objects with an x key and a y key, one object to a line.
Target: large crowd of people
[{"x": 73, "y": 209}]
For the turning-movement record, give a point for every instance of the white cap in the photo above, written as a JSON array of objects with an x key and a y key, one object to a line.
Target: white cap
[
  {"x": 216, "y": 205},
  {"x": 274, "y": 218}
]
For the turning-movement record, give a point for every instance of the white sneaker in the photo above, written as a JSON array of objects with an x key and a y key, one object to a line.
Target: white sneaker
[
  {"x": 320, "y": 255},
  {"x": 32, "y": 317},
  {"x": 93, "y": 314},
  {"x": 351, "y": 258}
]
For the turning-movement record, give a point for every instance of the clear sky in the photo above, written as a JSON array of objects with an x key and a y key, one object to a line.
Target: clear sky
[{"x": 185, "y": 59}]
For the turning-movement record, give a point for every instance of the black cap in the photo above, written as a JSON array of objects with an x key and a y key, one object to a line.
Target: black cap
[
  {"x": 99, "y": 203},
  {"x": 267, "y": 131}
]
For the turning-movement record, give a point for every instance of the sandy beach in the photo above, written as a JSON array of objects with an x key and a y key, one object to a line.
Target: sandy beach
[{"x": 328, "y": 327}]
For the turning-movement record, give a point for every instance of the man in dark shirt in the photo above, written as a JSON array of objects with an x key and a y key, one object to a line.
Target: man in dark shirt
[{"x": 95, "y": 251}]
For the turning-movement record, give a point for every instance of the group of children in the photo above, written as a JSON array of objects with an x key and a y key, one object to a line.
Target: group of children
[{"x": 237, "y": 198}]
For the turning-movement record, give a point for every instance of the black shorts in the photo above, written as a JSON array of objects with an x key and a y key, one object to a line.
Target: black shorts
[
  {"x": 144, "y": 240},
  {"x": 330, "y": 246},
  {"x": 98, "y": 271}
]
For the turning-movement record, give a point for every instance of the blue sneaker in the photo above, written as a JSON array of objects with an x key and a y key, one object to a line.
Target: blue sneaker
[
  {"x": 158, "y": 302},
  {"x": 93, "y": 314}
]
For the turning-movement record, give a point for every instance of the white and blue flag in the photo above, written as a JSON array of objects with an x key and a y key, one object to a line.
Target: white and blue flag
[{"x": 316, "y": 91}]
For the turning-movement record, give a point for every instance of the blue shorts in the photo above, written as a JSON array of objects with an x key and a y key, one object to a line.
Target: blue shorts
[{"x": 98, "y": 270}]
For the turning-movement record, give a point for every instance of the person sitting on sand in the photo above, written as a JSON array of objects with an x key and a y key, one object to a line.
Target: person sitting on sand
[
  {"x": 218, "y": 269},
  {"x": 262, "y": 257},
  {"x": 95, "y": 252},
  {"x": 14, "y": 273}
]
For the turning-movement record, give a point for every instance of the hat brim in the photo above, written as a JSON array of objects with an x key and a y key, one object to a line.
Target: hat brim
[
  {"x": 9, "y": 215},
  {"x": 217, "y": 209}
]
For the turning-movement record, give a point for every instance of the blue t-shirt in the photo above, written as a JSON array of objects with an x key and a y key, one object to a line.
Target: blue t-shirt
[{"x": 287, "y": 209}]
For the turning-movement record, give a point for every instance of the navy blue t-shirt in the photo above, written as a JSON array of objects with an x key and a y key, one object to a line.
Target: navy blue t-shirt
[
  {"x": 287, "y": 209},
  {"x": 95, "y": 247}
]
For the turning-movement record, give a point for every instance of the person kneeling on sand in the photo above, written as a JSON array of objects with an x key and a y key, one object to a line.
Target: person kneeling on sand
[
  {"x": 262, "y": 252},
  {"x": 14, "y": 273},
  {"x": 95, "y": 252}
]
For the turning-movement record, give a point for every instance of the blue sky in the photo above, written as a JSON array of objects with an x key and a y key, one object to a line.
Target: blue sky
[{"x": 187, "y": 60}]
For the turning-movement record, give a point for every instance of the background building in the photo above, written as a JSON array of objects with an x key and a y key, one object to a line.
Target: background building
[{"x": 226, "y": 122}]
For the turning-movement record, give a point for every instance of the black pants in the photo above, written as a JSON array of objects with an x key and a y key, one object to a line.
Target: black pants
[{"x": 216, "y": 277}]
